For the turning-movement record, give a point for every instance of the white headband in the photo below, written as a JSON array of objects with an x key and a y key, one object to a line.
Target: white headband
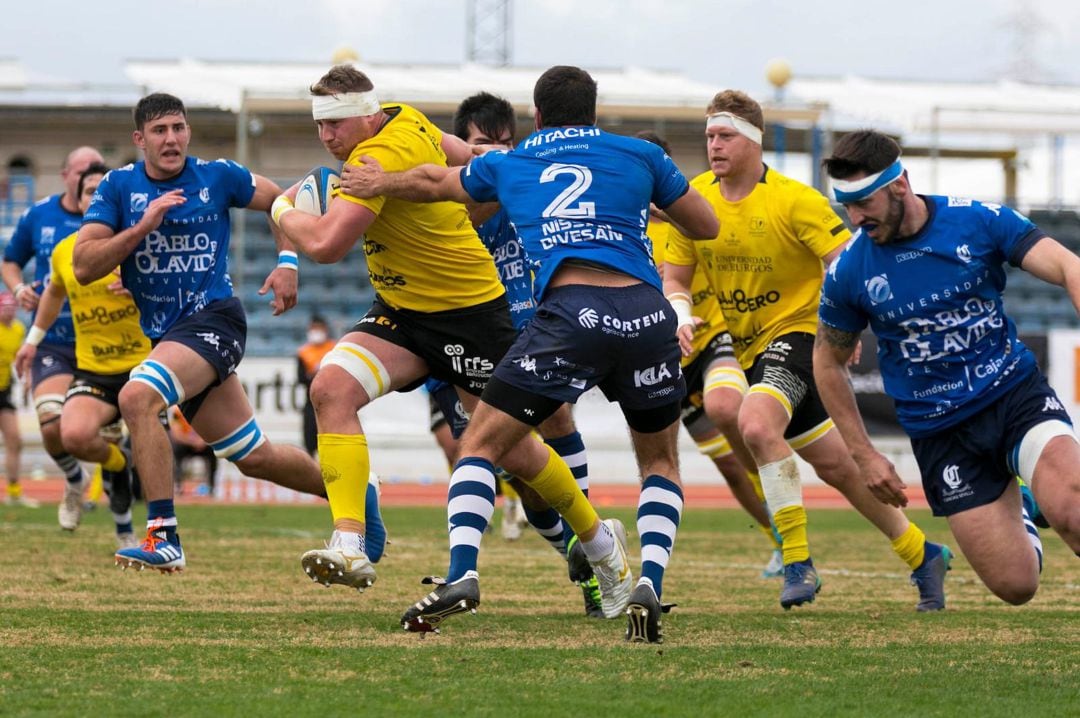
[
  {"x": 726, "y": 119},
  {"x": 346, "y": 104}
]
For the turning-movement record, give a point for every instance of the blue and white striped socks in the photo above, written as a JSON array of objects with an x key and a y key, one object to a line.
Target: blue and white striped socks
[
  {"x": 659, "y": 511},
  {"x": 571, "y": 449},
  {"x": 470, "y": 505},
  {"x": 549, "y": 524}
]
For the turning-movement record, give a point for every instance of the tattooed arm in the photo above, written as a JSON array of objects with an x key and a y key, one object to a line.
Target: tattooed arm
[{"x": 833, "y": 349}]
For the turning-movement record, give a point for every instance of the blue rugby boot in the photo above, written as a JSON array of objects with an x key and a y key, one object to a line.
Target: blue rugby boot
[
  {"x": 375, "y": 531},
  {"x": 929, "y": 577},
  {"x": 801, "y": 584},
  {"x": 161, "y": 550}
]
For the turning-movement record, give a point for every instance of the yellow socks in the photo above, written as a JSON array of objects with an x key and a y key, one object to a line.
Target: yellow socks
[
  {"x": 556, "y": 485},
  {"x": 116, "y": 461},
  {"x": 345, "y": 466},
  {"x": 791, "y": 523},
  {"x": 755, "y": 479},
  {"x": 911, "y": 546}
]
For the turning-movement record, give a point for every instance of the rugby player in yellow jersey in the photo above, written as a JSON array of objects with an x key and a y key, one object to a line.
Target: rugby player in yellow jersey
[
  {"x": 767, "y": 266},
  {"x": 439, "y": 311},
  {"x": 715, "y": 385},
  {"x": 12, "y": 333},
  {"x": 108, "y": 344}
]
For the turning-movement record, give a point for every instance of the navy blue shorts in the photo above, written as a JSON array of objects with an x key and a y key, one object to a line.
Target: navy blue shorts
[
  {"x": 52, "y": 360},
  {"x": 621, "y": 339},
  {"x": 446, "y": 407},
  {"x": 967, "y": 465},
  {"x": 693, "y": 404},
  {"x": 217, "y": 333},
  {"x": 5, "y": 400}
]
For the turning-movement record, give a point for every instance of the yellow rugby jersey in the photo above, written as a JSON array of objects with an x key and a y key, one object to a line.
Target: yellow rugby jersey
[
  {"x": 11, "y": 338},
  {"x": 108, "y": 338},
  {"x": 702, "y": 296},
  {"x": 765, "y": 265},
  {"x": 421, "y": 256}
]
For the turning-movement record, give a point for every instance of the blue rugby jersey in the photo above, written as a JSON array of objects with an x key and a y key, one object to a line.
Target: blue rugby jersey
[
  {"x": 41, "y": 228},
  {"x": 509, "y": 254},
  {"x": 579, "y": 193},
  {"x": 945, "y": 347},
  {"x": 181, "y": 266}
]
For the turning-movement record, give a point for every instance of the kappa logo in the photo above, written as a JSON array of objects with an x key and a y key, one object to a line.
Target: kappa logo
[
  {"x": 527, "y": 363},
  {"x": 1052, "y": 404},
  {"x": 138, "y": 201},
  {"x": 204, "y": 195},
  {"x": 951, "y": 476},
  {"x": 963, "y": 253},
  {"x": 651, "y": 376},
  {"x": 210, "y": 338},
  {"x": 878, "y": 289},
  {"x": 779, "y": 348},
  {"x": 588, "y": 318}
]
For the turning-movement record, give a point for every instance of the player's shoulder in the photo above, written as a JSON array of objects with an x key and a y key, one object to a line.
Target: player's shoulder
[
  {"x": 703, "y": 181},
  {"x": 216, "y": 167},
  {"x": 967, "y": 211},
  {"x": 790, "y": 188},
  {"x": 66, "y": 244},
  {"x": 852, "y": 255}
]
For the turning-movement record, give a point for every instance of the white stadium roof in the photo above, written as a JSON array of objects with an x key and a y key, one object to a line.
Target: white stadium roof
[{"x": 225, "y": 84}]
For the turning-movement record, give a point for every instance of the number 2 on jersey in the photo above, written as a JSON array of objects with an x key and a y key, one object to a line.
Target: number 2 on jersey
[{"x": 562, "y": 205}]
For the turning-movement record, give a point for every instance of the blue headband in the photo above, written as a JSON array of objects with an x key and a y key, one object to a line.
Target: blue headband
[{"x": 847, "y": 191}]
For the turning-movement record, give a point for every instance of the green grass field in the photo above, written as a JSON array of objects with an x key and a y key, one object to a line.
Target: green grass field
[{"x": 244, "y": 632}]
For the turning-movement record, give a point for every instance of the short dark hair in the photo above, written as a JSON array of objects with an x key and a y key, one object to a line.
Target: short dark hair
[
  {"x": 96, "y": 168},
  {"x": 319, "y": 319},
  {"x": 159, "y": 104},
  {"x": 565, "y": 95},
  {"x": 491, "y": 115},
  {"x": 865, "y": 151},
  {"x": 340, "y": 79},
  {"x": 650, "y": 136},
  {"x": 739, "y": 104}
]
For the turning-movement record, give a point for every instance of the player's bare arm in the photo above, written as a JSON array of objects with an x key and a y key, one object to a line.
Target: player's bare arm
[
  {"x": 426, "y": 183},
  {"x": 282, "y": 283},
  {"x": 98, "y": 249},
  {"x": 1051, "y": 262},
  {"x": 52, "y": 301},
  {"x": 677, "y": 280},
  {"x": 833, "y": 349},
  {"x": 326, "y": 238},
  {"x": 23, "y": 292}
]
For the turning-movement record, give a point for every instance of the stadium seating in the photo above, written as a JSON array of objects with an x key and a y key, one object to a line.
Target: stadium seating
[
  {"x": 1033, "y": 304},
  {"x": 338, "y": 292}
]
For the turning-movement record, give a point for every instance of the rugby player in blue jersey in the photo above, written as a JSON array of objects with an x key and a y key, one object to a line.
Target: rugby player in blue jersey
[
  {"x": 39, "y": 230},
  {"x": 165, "y": 222},
  {"x": 579, "y": 200},
  {"x": 926, "y": 274},
  {"x": 484, "y": 119}
]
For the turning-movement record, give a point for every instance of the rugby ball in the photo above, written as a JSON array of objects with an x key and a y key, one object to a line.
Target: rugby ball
[{"x": 316, "y": 190}]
